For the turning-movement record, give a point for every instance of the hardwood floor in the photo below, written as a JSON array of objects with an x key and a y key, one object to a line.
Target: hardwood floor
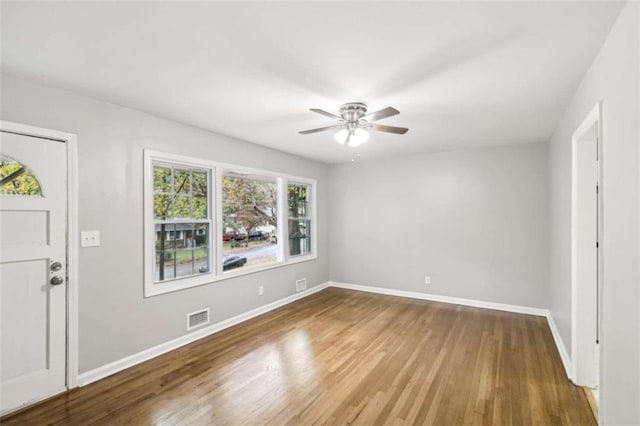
[{"x": 341, "y": 357}]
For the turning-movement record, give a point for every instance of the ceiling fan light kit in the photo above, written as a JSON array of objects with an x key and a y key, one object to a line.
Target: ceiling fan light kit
[
  {"x": 356, "y": 137},
  {"x": 354, "y": 123}
]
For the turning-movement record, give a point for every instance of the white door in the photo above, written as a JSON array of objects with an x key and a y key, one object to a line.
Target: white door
[{"x": 33, "y": 269}]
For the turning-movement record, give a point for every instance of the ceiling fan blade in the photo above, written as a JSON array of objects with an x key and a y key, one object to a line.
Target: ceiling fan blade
[
  {"x": 321, "y": 129},
  {"x": 389, "y": 129},
  {"x": 383, "y": 113},
  {"x": 326, "y": 114}
]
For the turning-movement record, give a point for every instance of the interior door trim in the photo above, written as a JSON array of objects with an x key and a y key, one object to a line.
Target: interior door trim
[
  {"x": 70, "y": 140},
  {"x": 594, "y": 117}
]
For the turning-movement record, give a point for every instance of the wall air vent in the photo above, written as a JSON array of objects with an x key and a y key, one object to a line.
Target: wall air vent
[
  {"x": 197, "y": 319},
  {"x": 301, "y": 284}
]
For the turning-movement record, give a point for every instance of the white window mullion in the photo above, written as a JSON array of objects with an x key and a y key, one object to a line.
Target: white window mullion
[
  {"x": 149, "y": 226},
  {"x": 283, "y": 214},
  {"x": 219, "y": 225},
  {"x": 314, "y": 219}
]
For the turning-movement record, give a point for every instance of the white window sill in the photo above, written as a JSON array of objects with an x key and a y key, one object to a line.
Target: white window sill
[{"x": 209, "y": 278}]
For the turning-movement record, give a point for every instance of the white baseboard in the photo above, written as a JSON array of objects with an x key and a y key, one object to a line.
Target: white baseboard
[
  {"x": 121, "y": 364},
  {"x": 562, "y": 350},
  {"x": 444, "y": 299}
]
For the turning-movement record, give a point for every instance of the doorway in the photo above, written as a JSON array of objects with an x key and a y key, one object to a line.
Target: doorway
[
  {"x": 37, "y": 265},
  {"x": 586, "y": 251}
]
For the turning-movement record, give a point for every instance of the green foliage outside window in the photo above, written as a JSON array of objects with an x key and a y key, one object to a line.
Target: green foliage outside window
[
  {"x": 179, "y": 193},
  {"x": 16, "y": 179},
  {"x": 248, "y": 203}
]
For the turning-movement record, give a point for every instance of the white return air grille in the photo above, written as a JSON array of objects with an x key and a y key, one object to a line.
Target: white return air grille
[
  {"x": 197, "y": 319},
  {"x": 301, "y": 284}
]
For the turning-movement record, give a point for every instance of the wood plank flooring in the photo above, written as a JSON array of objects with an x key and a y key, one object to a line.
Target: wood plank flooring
[{"x": 342, "y": 357}]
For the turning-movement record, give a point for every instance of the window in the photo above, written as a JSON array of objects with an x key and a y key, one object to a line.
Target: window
[
  {"x": 181, "y": 221},
  {"x": 16, "y": 179},
  {"x": 250, "y": 220},
  {"x": 206, "y": 222},
  {"x": 299, "y": 223}
]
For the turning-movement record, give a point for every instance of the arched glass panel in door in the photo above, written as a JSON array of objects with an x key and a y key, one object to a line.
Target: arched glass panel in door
[{"x": 17, "y": 179}]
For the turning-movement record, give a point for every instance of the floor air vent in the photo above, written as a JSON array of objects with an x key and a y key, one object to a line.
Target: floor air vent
[{"x": 196, "y": 319}]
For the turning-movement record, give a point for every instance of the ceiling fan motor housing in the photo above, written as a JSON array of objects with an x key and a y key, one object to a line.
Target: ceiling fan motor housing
[{"x": 352, "y": 112}]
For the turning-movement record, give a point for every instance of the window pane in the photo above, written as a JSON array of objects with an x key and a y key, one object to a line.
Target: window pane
[
  {"x": 199, "y": 206},
  {"x": 16, "y": 179},
  {"x": 165, "y": 266},
  {"x": 162, "y": 206},
  {"x": 182, "y": 248},
  {"x": 185, "y": 249},
  {"x": 182, "y": 207},
  {"x": 184, "y": 235},
  {"x": 182, "y": 181},
  {"x": 202, "y": 235},
  {"x": 164, "y": 236},
  {"x": 249, "y": 209},
  {"x": 201, "y": 260},
  {"x": 184, "y": 263},
  {"x": 299, "y": 237},
  {"x": 199, "y": 183},
  {"x": 298, "y": 199},
  {"x": 162, "y": 180}
]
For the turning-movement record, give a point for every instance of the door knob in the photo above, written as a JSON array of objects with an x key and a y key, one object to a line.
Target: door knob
[
  {"x": 56, "y": 266},
  {"x": 57, "y": 280}
]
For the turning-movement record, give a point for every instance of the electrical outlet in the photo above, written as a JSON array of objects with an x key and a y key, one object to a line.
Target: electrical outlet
[
  {"x": 260, "y": 290},
  {"x": 90, "y": 238},
  {"x": 427, "y": 280},
  {"x": 301, "y": 284}
]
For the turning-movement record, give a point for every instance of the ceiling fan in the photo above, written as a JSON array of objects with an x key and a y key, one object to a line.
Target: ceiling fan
[{"x": 354, "y": 123}]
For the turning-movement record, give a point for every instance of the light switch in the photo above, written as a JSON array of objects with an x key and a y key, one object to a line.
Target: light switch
[{"x": 90, "y": 238}]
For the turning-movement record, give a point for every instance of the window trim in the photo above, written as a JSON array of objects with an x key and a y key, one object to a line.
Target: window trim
[{"x": 216, "y": 273}]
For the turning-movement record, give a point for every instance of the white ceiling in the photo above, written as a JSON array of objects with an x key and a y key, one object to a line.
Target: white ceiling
[{"x": 462, "y": 74}]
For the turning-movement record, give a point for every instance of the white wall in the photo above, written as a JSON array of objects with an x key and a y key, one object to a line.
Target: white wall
[
  {"x": 613, "y": 78},
  {"x": 476, "y": 221},
  {"x": 115, "y": 320}
]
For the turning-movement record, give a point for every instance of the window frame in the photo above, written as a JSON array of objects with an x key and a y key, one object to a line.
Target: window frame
[
  {"x": 216, "y": 172},
  {"x": 151, "y": 287},
  {"x": 309, "y": 215}
]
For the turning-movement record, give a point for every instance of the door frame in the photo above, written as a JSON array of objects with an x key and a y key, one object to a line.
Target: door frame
[
  {"x": 70, "y": 140},
  {"x": 594, "y": 117}
]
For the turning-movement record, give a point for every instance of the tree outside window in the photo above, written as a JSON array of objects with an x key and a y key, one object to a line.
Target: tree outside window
[{"x": 249, "y": 210}]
